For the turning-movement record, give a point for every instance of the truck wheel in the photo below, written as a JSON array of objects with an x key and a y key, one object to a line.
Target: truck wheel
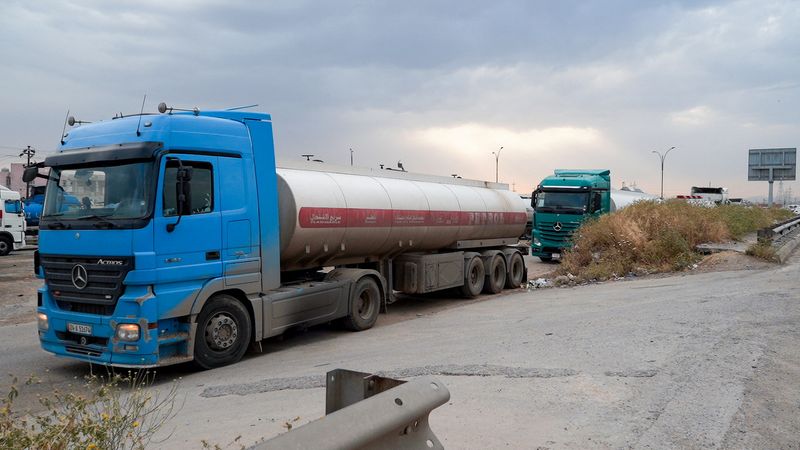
[
  {"x": 474, "y": 277},
  {"x": 365, "y": 304},
  {"x": 5, "y": 245},
  {"x": 495, "y": 275},
  {"x": 223, "y": 332},
  {"x": 516, "y": 271}
]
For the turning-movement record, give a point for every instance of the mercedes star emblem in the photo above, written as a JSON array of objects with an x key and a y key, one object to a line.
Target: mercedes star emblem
[
  {"x": 557, "y": 226},
  {"x": 79, "y": 276}
]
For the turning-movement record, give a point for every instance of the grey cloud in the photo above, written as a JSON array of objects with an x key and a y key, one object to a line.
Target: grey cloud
[{"x": 365, "y": 74}]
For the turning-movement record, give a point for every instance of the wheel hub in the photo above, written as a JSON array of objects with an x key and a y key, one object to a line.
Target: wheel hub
[
  {"x": 364, "y": 305},
  {"x": 221, "y": 332}
]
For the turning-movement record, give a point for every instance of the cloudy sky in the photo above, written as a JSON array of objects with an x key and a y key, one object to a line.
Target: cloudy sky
[{"x": 438, "y": 85}]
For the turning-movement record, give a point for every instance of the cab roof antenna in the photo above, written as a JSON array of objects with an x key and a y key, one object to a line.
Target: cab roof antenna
[
  {"x": 64, "y": 130},
  {"x": 236, "y": 108},
  {"x": 141, "y": 111}
]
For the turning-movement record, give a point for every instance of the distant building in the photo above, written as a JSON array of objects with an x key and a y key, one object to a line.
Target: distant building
[
  {"x": 5, "y": 177},
  {"x": 12, "y": 178}
]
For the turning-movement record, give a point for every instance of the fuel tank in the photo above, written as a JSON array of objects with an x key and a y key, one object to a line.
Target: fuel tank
[{"x": 337, "y": 215}]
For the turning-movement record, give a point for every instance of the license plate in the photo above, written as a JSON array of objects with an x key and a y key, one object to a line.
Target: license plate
[
  {"x": 556, "y": 256},
  {"x": 79, "y": 328}
]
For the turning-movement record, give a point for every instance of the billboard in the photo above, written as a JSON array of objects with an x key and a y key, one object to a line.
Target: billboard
[{"x": 772, "y": 164}]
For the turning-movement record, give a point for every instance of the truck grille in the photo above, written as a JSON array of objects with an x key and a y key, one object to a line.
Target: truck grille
[
  {"x": 86, "y": 284},
  {"x": 546, "y": 231}
]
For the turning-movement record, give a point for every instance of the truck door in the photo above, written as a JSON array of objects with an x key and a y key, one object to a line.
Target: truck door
[
  {"x": 14, "y": 220},
  {"x": 192, "y": 249},
  {"x": 240, "y": 253}
]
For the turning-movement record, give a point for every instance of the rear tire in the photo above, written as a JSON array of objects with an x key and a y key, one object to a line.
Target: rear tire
[
  {"x": 516, "y": 271},
  {"x": 365, "y": 305},
  {"x": 495, "y": 275},
  {"x": 474, "y": 277},
  {"x": 223, "y": 332},
  {"x": 6, "y": 245}
]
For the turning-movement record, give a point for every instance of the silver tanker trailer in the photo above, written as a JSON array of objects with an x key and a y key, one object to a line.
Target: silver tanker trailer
[{"x": 213, "y": 246}]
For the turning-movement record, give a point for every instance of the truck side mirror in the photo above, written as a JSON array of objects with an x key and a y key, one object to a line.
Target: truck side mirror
[
  {"x": 534, "y": 196},
  {"x": 183, "y": 188},
  {"x": 597, "y": 202},
  {"x": 30, "y": 174},
  {"x": 183, "y": 194}
]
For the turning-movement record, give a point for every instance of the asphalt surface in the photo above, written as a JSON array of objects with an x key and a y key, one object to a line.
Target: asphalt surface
[{"x": 708, "y": 360}]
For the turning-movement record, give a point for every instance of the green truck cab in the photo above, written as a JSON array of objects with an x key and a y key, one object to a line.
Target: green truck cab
[{"x": 561, "y": 202}]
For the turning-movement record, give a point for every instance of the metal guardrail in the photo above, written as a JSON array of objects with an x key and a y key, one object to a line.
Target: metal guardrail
[
  {"x": 770, "y": 234},
  {"x": 366, "y": 411}
]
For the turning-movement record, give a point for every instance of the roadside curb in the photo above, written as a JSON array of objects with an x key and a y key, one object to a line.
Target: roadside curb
[{"x": 786, "y": 249}]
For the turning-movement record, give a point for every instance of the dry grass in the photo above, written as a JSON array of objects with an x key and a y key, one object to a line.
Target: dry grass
[
  {"x": 650, "y": 237},
  {"x": 763, "y": 250}
]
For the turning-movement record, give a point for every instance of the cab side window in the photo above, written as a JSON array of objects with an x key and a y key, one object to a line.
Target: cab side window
[{"x": 202, "y": 191}]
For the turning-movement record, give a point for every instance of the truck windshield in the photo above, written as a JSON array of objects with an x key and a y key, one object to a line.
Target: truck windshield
[
  {"x": 119, "y": 191},
  {"x": 563, "y": 202}
]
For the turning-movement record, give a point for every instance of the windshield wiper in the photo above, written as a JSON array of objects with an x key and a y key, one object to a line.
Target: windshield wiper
[
  {"x": 101, "y": 223},
  {"x": 93, "y": 216},
  {"x": 58, "y": 226}
]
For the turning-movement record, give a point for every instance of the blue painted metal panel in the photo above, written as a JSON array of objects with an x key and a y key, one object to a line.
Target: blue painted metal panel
[{"x": 267, "y": 187}]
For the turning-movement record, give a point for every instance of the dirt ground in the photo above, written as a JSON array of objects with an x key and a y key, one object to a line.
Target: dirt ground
[
  {"x": 18, "y": 286},
  {"x": 729, "y": 260}
]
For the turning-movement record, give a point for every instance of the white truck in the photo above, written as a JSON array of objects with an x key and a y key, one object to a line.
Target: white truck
[
  {"x": 12, "y": 221},
  {"x": 711, "y": 195}
]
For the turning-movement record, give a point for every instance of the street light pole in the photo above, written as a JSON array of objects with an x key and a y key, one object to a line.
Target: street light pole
[
  {"x": 662, "y": 158},
  {"x": 497, "y": 165}
]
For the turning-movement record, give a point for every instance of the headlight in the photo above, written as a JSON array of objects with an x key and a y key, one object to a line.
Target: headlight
[
  {"x": 41, "y": 318},
  {"x": 536, "y": 241},
  {"x": 128, "y": 332}
]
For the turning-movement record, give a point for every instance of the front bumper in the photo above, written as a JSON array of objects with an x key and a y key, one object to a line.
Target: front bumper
[{"x": 102, "y": 346}]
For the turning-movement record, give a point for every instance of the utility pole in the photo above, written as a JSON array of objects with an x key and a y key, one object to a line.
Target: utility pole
[
  {"x": 29, "y": 152},
  {"x": 351, "y": 156},
  {"x": 497, "y": 165},
  {"x": 662, "y": 158}
]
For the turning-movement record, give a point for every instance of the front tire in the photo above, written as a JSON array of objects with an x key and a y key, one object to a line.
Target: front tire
[
  {"x": 365, "y": 305},
  {"x": 223, "y": 332},
  {"x": 5, "y": 245},
  {"x": 495, "y": 275},
  {"x": 474, "y": 276}
]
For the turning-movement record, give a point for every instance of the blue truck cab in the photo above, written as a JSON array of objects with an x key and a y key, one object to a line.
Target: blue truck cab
[
  {"x": 169, "y": 210},
  {"x": 562, "y": 202}
]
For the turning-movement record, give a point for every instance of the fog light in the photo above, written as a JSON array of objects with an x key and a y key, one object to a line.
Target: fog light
[
  {"x": 44, "y": 324},
  {"x": 128, "y": 332}
]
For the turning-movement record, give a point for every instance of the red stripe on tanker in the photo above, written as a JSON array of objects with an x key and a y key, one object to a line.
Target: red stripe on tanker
[
  {"x": 316, "y": 217},
  {"x": 334, "y": 215}
]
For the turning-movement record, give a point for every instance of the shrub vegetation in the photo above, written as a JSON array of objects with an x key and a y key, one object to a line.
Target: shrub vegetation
[
  {"x": 121, "y": 413},
  {"x": 649, "y": 237}
]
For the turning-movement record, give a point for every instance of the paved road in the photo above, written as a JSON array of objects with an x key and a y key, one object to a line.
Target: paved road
[{"x": 705, "y": 360}]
